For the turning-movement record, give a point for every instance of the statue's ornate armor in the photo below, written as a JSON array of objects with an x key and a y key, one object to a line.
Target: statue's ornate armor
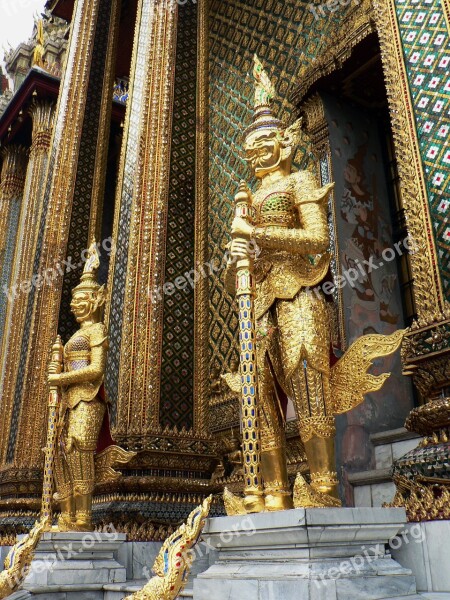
[
  {"x": 82, "y": 412},
  {"x": 78, "y": 356},
  {"x": 291, "y": 231},
  {"x": 293, "y": 329}
]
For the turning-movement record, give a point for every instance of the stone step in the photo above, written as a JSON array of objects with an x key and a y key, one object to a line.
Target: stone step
[
  {"x": 372, "y": 488},
  {"x": 118, "y": 591},
  {"x": 308, "y": 554}
]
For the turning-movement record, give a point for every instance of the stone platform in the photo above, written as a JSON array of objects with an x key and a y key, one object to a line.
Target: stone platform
[
  {"x": 309, "y": 554},
  {"x": 426, "y": 551},
  {"x": 74, "y": 566}
]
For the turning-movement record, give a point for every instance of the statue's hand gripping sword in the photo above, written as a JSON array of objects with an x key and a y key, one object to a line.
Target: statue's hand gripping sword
[
  {"x": 54, "y": 401},
  {"x": 245, "y": 292}
]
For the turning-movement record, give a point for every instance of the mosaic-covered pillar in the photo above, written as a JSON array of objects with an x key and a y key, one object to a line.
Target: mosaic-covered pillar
[
  {"x": 11, "y": 192},
  {"x": 157, "y": 370},
  {"x": 41, "y": 113},
  {"x": 157, "y": 376},
  {"x": 414, "y": 38},
  {"x": 73, "y": 187},
  {"x": 137, "y": 268}
]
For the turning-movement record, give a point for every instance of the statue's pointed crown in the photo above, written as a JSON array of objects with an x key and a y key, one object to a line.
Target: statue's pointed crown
[
  {"x": 89, "y": 277},
  {"x": 264, "y": 96}
]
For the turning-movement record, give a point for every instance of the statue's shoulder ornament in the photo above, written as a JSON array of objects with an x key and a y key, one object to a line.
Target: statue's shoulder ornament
[
  {"x": 98, "y": 335},
  {"x": 307, "y": 190}
]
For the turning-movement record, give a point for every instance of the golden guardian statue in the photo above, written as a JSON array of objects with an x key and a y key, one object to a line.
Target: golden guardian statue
[
  {"x": 287, "y": 219},
  {"x": 82, "y": 407}
]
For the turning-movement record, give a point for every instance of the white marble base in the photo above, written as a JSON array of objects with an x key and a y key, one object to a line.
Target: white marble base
[
  {"x": 138, "y": 558},
  {"x": 425, "y": 549},
  {"x": 75, "y": 566},
  {"x": 312, "y": 554}
]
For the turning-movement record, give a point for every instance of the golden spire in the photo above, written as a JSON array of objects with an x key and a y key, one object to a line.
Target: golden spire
[{"x": 38, "y": 56}]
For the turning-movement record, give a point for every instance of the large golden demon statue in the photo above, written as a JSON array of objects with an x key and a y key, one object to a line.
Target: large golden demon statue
[
  {"x": 80, "y": 411},
  {"x": 287, "y": 218}
]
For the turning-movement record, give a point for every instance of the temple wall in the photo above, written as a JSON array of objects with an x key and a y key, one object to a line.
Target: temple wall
[
  {"x": 372, "y": 303},
  {"x": 177, "y": 352}
]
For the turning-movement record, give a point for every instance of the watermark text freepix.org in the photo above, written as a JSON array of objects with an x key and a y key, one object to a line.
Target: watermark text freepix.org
[
  {"x": 48, "y": 276},
  {"x": 359, "y": 563},
  {"x": 324, "y": 9},
  {"x": 201, "y": 271},
  {"x": 364, "y": 268}
]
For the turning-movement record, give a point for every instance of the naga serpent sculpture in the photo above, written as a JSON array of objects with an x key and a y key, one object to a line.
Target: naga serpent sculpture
[
  {"x": 173, "y": 564},
  {"x": 18, "y": 561}
]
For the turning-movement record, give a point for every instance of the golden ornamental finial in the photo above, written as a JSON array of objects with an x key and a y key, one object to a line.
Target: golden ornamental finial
[
  {"x": 174, "y": 561},
  {"x": 264, "y": 88},
  {"x": 40, "y": 31},
  {"x": 18, "y": 562},
  {"x": 38, "y": 55}
]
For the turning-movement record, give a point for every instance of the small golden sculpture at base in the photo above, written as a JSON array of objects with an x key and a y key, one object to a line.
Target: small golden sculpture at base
[
  {"x": 425, "y": 499},
  {"x": 286, "y": 218},
  {"x": 18, "y": 561},
  {"x": 173, "y": 564},
  {"x": 78, "y": 377},
  {"x": 422, "y": 476}
]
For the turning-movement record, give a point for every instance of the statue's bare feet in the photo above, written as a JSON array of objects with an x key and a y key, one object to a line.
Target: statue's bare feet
[
  {"x": 254, "y": 504},
  {"x": 83, "y": 522},
  {"x": 65, "y": 523},
  {"x": 278, "y": 501},
  {"x": 306, "y": 497},
  {"x": 235, "y": 505}
]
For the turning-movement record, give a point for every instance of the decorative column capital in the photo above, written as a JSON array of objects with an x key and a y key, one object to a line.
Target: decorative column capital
[
  {"x": 42, "y": 113},
  {"x": 14, "y": 167}
]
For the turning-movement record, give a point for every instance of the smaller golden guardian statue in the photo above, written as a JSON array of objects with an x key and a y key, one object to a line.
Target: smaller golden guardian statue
[
  {"x": 287, "y": 218},
  {"x": 83, "y": 408}
]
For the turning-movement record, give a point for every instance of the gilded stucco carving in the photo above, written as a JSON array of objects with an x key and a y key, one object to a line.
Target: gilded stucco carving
[{"x": 427, "y": 284}]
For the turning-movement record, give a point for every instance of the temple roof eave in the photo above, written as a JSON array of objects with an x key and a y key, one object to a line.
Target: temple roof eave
[
  {"x": 61, "y": 8},
  {"x": 37, "y": 82}
]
